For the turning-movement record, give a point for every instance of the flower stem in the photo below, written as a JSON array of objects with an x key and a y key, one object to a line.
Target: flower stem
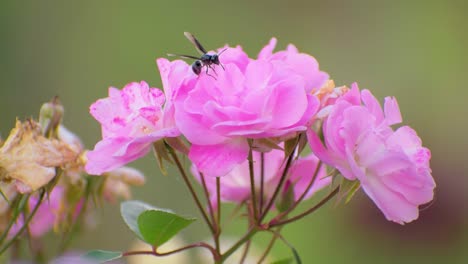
[
  {"x": 207, "y": 195},
  {"x": 192, "y": 191},
  {"x": 26, "y": 222},
  {"x": 252, "y": 185},
  {"x": 246, "y": 251},
  {"x": 301, "y": 198},
  {"x": 269, "y": 247},
  {"x": 262, "y": 181},
  {"x": 278, "y": 187},
  {"x": 277, "y": 222},
  {"x": 218, "y": 198},
  {"x": 252, "y": 231},
  {"x": 155, "y": 253},
  {"x": 218, "y": 218},
  {"x": 22, "y": 202}
]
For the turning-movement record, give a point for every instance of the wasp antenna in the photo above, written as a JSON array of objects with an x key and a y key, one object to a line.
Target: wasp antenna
[{"x": 222, "y": 51}]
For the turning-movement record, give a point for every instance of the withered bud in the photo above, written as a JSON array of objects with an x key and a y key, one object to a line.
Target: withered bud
[
  {"x": 30, "y": 158},
  {"x": 50, "y": 117}
]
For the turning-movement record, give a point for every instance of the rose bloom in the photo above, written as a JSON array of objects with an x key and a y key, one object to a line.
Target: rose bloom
[
  {"x": 250, "y": 99},
  {"x": 391, "y": 165},
  {"x": 235, "y": 186},
  {"x": 131, "y": 120}
]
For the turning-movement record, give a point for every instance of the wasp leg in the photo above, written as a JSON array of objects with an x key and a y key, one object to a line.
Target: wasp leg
[
  {"x": 211, "y": 76},
  {"x": 210, "y": 67}
]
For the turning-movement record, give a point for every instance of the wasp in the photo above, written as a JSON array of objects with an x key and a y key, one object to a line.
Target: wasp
[{"x": 205, "y": 60}]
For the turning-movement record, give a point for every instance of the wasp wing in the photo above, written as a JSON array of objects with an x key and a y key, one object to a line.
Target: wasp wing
[
  {"x": 195, "y": 42},
  {"x": 184, "y": 56}
]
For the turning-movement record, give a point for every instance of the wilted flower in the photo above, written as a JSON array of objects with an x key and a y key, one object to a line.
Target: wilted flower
[
  {"x": 29, "y": 159},
  {"x": 131, "y": 119},
  {"x": 392, "y": 166}
]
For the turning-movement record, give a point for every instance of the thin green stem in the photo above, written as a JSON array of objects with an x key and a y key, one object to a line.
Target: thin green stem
[
  {"x": 76, "y": 220},
  {"x": 218, "y": 198},
  {"x": 26, "y": 222},
  {"x": 22, "y": 202},
  {"x": 262, "y": 181},
  {"x": 269, "y": 247},
  {"x": 278, "y": 222},
  {"x": 303, "y": 195},
  {"x": 252, "y": 231},
  {"x": 234, "y": 213},
  {"x": 252, "y": 185},
  {"x": 155, "y": 253},
  {"x": 278, "y": 187},
  {"x": 192, "y": 191},
  {"x": 246, "y": 251},
  {"x": 207, "y": 196},
  {"x": 218, "y": 219}
]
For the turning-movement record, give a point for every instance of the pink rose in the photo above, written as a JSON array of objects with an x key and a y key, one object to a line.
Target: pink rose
[
  {"x": 235, "y": 186},
  {"x": 300, "y": 63},
  {"x": 392, "y": 166},
  {"x": 131, "y": 120},
  {"x": 250, "y": 99}
]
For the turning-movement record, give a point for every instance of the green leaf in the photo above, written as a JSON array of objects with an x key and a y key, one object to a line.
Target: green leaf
[
  {"x": 21, "y": 205},
  {"x": 130, "y": 210},
  {"x": 347, "y": 190},
  {"x": 290, "y": 146},
  {"x": 302, "y": 142},
  {"x": 283, "y": 261},
  {"x": 4, "y": 196},
  {"x": 286, "y": 198},
  {"x": 266, "y": 143},
  {"x": 102, "y": 256},
  {"x": 352, "y": 191},
  {"x": 158, "y": 226},
  {"x": 51, "y": 185}
]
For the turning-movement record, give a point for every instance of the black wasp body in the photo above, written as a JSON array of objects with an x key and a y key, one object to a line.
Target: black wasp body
[{"x": 206, "y": 60}]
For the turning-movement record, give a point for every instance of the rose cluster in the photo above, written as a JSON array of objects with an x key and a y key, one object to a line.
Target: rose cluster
[{"x": 248, "y": 112}]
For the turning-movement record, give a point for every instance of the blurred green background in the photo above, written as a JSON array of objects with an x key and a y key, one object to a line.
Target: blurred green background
[{"x": 414, "y": 50}]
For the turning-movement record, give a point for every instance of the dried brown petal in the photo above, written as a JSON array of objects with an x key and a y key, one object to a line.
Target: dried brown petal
[{"x": 30, "y": 158}]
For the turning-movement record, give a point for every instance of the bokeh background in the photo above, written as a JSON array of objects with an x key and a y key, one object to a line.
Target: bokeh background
[{"x": 414, "y": 50}]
